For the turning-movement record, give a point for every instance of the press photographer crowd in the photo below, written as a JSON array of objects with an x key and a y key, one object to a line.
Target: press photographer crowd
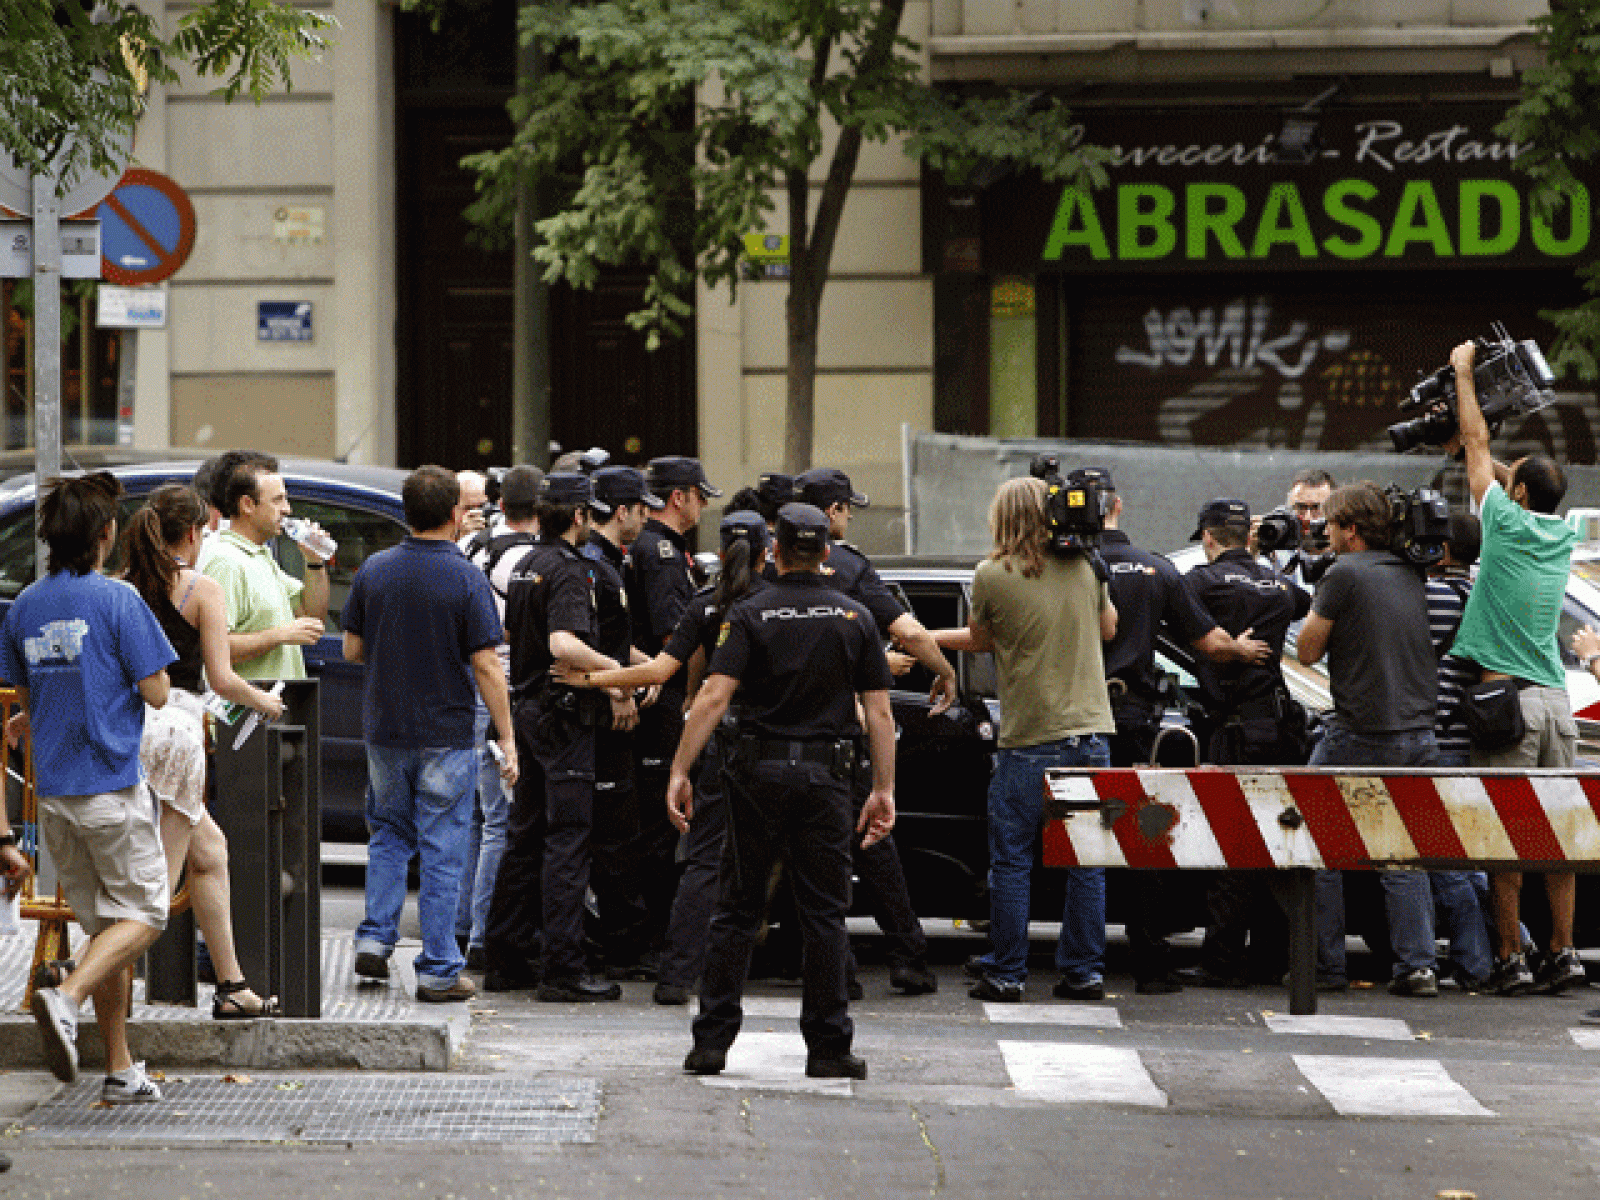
[{"x": 613, "y": 770}]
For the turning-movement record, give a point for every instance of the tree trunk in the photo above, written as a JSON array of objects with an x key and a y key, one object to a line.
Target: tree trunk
[{"x": 805, "y": 302}]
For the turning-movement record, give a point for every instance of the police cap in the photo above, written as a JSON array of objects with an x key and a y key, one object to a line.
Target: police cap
[
  {"x": 566, "y": 487},
  {"x": 745, "y": 527},
  {"x": 1222, "y": 511},
  {"x": 825, "y": 486},
  {"x": 802, "y": 527},
  {"x": 674, "y": 473},
  {"x": 775, "y": 488},
  {"x": 615, "y": 486}
]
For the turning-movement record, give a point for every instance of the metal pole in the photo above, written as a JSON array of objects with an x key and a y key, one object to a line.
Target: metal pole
[
  {"x": 46, "y": 343},
  {"x": 1302, "y": 942},
  {"x": 530, "y": 301}
]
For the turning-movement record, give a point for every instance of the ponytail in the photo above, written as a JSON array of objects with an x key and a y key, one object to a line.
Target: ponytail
[
  {"x": 737, "y": 577},
  {"x": 170, "y": 513}
]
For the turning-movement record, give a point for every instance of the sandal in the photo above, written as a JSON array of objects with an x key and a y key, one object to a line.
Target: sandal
[
  {"x": 53, "y": 974},
  {"x": 226, "y": 1005}
]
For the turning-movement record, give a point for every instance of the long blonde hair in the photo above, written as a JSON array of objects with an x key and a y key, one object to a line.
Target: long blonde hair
[{"x": 1018, "y": 524}]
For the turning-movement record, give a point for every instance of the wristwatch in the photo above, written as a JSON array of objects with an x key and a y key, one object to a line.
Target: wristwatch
[
  {"x": 311, "y": 566},
  {"x": 1587, "y": 661}
]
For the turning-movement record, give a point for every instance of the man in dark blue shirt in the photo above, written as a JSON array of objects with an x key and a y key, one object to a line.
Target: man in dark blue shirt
[{"x": 422, "y": 619}]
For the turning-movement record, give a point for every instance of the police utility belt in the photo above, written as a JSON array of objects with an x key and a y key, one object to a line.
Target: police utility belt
[
  {"x": 581, "y": 705},
  {"x": 838, "y": 756}
]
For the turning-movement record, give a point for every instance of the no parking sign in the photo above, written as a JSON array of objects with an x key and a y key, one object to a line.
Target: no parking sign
[{"x": 147, "y": 228}]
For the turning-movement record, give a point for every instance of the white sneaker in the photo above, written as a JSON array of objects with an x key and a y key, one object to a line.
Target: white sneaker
[
  {"x": 58, "y": 1030},
  {"x": 132, "y": 1086}
]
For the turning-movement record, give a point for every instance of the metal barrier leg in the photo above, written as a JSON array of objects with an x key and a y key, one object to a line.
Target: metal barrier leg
[{"x": 1302, "y": 942}]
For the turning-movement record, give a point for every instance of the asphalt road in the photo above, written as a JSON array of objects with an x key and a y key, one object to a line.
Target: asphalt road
[{"x": 1201, "y": 1094}]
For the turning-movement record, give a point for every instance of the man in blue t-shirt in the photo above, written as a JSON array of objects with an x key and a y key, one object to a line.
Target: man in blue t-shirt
[
  {"x": 423, "y": 620},
  {"x": 86, "y": 655}
]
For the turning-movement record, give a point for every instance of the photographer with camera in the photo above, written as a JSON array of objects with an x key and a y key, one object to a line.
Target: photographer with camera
[
  {"x": 1370, "y": 617},
  {"x": 1043, "y": 615},
  {"x": 1509, "y": 629},
  {"x": 1295, "y": 536}
]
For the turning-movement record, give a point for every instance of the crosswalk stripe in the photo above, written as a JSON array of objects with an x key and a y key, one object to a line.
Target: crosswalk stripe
[
  {"x": 773, "y": 1062},
  {"x": 1388, "y": 1087},
  {"x": 1090, "y": 1016},
  {"x": 780, "y": 1007},
  {"x": 1064, "y": 1073},
  {"x": 1589, "y": 1039},
  {"x": 1387, "y": 1029}
]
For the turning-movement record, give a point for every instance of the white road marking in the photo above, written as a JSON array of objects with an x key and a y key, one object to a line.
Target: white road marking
[
  {"x": 1072, "y": 1074},
  {"x": 1387, "y": 1029},
  {"x": 773, "y": 1062},
  {"x": 778, "y": 1007},
  {"x": 1388, "y": 1087},
  {"x": 1589, "y": 1039},
  {"x": 1093, "y": 1016}
]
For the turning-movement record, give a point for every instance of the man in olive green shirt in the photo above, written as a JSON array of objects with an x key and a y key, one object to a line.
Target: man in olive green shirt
[
  {"x": 271, "y": 614},
  {"x": 1510, "y": 629}
]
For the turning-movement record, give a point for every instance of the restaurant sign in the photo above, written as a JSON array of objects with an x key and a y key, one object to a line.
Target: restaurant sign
[{"x": 1201, "y": 189}]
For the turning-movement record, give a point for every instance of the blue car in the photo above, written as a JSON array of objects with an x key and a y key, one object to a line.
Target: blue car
[{"x": 359, "y": 506}]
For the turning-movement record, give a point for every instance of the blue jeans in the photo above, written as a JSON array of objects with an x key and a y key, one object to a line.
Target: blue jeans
[
  {"x": 1408, "y": 900},
  {"x": 1016, "y": 812},
  {"x": 1458, "y": 910},
  {"x": 486, "y": 841},
  {"x": 418, "y": 802}
]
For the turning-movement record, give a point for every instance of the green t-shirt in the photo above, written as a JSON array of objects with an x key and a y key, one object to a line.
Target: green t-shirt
[
  {"x": 1514, "y": 612},
  {"x": 261, "y": 595},
  {"x": 1047, "y": 649}
]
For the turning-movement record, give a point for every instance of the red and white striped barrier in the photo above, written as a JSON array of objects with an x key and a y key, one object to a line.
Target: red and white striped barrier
[{"x": 1256, "y": 818}]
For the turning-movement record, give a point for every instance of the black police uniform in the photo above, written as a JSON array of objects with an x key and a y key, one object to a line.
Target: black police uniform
[
  {"x": 1260, "y": 724},
  {"x": 545, "y": 871},
  {"x": 623, "y": 920},
  {"x": 1149, "y": 594},
  {"x": 683, "y": 954},
  {"x": 801, "y": 653}
]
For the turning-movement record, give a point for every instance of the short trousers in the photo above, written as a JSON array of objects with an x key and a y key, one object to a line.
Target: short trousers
[
  {"x": 108, "y": 856},
  {"x": 173, "y": 754}
]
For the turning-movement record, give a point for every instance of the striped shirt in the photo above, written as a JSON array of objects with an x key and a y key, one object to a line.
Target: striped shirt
[{"x": 1447, "y": 598}]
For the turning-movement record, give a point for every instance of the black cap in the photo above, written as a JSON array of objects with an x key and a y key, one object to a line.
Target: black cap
[
  {"x": 775, "y": 488},
  {"x": 745, "y": 527},
  {"x": 672, "y": 473},
  {"x": 566, "y": 487},
  {"x": 823, "y": 486},
  {"x": 802, "y": 527},
  {"x": 1222, "y": 511},
  {"x": 519, "y": 487},
  {"x": 615, "y": 486}
]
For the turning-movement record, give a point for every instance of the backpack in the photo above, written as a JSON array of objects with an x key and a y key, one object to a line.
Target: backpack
[{"x": 493, "y": 549}]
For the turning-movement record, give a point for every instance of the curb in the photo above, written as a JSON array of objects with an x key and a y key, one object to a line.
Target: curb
[{"x": 267, "y": 1044}]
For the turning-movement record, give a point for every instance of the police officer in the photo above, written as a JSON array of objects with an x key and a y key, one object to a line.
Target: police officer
[
  {"x": 660, "y": 582},
  {"x": 1150, "y": 594},
  {"x": 774, "y": 489},
  {"x": 829, "y": 489},
  {"x": 550, "y": 614},
  {"x": 1258, "y": 721},
  {"x": 799, "y": 653},
  {"x": 618, "y": 511}
]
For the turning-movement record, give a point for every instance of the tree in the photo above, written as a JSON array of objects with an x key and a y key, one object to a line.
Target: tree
[
  {"x": 677, "y": 120},
  {"x": 1557, "y": 125},
  {"x": 72, "y": 72}
]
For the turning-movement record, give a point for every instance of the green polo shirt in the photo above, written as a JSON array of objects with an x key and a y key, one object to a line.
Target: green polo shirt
[
  {"x": 1514, "y": 612},
  {"x": 261, "y": 595}
]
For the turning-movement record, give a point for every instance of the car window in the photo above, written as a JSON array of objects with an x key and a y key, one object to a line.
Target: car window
[
  {"x": 16, "y": 553},
  {"x": 940, "y": 605},
  {"x": 1574, "y": 616},
  {"x": 360, "y": 535}
]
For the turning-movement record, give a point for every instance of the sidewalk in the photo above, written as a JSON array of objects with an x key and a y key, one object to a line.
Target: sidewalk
[{"x": 371, "y": 1026}]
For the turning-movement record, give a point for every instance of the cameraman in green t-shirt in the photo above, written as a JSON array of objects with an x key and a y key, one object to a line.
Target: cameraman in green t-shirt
[{"x": 1510, "y": 630}]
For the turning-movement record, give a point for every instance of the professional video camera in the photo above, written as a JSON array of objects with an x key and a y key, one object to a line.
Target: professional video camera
[
  {"x": 1278, "y": 530},
  {"x": 1421, "y": 524},
  {"x": 592, "y": 459},
  {"x": 494, "y": 480},
  {"x": 1512, "y": 379},
  {"x": 1076, "y": 508}
]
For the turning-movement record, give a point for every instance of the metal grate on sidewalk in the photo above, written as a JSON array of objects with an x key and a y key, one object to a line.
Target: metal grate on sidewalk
[{"x": 345, "y": 1108}]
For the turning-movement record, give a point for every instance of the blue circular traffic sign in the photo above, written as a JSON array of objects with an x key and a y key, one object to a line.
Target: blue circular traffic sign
[{"x": 147, "y": 228}]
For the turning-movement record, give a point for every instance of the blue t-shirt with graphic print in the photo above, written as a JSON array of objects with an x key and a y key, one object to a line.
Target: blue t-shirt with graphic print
[{"x": 80, "y": 644}]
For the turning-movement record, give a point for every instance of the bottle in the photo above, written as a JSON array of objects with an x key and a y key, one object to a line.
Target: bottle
[{"x": 316, "y": 541}]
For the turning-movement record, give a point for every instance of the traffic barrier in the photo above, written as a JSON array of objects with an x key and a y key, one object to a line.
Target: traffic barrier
[{"x": 1300, "y": 820}]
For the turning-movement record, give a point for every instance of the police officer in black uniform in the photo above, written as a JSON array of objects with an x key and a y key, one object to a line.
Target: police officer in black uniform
[
  {"x": 774, "y": 489},
  {"x": 1259, "y": 722},
  {"x": 799, "y": 653},
  {"x": 618, "y": 511},
  {"x": 550, "y": 614},
  {"x": 660, "y": 581},
  {"x": 878, "y": 866},
  {"x": 1150, "y": 594}
]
